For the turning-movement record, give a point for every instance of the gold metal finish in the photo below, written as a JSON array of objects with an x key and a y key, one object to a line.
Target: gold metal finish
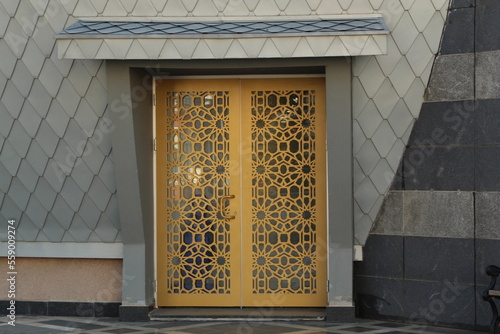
[
  {"x": 263, "y": 140},
  {"x": 198, "y": 250},
  {"x": 222, "y": 206}
]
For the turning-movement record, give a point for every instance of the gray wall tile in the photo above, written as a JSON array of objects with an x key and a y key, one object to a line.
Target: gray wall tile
[
  {"x": 37, "y": 158},
  {"x": 10, "y": 210},
  {"x": 487, "y": 166},
  {"x": 26, "y": 230},
  {"x": 106, "y": 230},
  {"x": 488, "y": 75},
  {"x": 444, "y": 123},
  {"x": 29, "y": 118},
  {"x": 439, "y": 168},
  {"x": 439, "y": 259},
  {"x": 483, "y": 311},
  {"x": 390, "y": 218},
  {"x": 19, "y": 194},
  {"x": 452, "y": 78},
  {"x": 47, "y": 139},
  {"x": 5, "y": 179},
  {"x": 12, "y": 99},
  {"x": 72, "y": 194},
  {"x": 68, "y": 98},
  {"x": 461, "y": 3},
  {"x": 39, "y": 98},
  {"x": 52, "y": 229},
  {"x": 89, "y": 212},
  {"x": 488, "y": 26},
  {"x": 10, "y": 158},
  {"x": 458, "y": 36},
  {"x": 6, "y": 121},
  {"x": 57, "y": 118},
  {"x": 99, "y": 194},
  {"x": 380, "y": 298},
  {"x": 45, "y": 194},
  {"x": 487, "y": 213},
  {"x": 8, "y": 62},
  {"x": 27, "y": 175},
  {"x": 439, "y": 214},
  {"x": 487, "y": 122},
  {"x": 382, "y": 257},
  {"x": 486, "y": 254},
  {"x": 19, "y": 139},
  {"x": 79, "y": 230},
  {"x": 82, "y": 174},
  {"x": 440, "y": 303},
  {"x": 63, "y": 214},
  {"x": 76, "y": 138},
  {"x": 36, "y": 212}
]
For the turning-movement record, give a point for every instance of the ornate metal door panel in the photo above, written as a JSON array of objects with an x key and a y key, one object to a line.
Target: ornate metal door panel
[
  {"x": 198, "y": 246},
  {"x": 284, "y": 193},
  {"x": 241, "y": 190}
]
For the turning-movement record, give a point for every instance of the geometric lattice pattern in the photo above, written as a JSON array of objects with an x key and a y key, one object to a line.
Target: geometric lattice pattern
[
  {"x": 165, "y": 28},
  {"x": 284, "y": 179},
  {"x": 197, "y": 142}
]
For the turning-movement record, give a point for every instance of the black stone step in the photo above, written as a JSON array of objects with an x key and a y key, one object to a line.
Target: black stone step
[{"x": 232, "y": 314}]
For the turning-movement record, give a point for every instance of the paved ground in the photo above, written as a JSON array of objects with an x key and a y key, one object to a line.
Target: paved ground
[{"x": 46, "y": 325}]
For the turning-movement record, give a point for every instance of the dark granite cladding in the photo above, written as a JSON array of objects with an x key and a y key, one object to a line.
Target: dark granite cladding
[
  {"x": 382, "y": 257},
  {"x": 32, "y": 308},
  {"x": 439, "y": 259},
  {"x": 134, "y": 313},
  {"x": 440, "y": 303},
  {"x": 486, "y": 253},
  {"x": 439, "y": 168},
  {"x": 380, "y": 298},
  {"x": 483, "y": 310},
  {"x": 487, "y": 213},
  {"x": 487, "y": 168},
  {"x": 437, "y": 287},
  {"x": 340, "y": 314},
  {"x": 461, "y": 4},
  {"x": 398, "y": 182},
  {"x": 418, "y": 302},
  {"x": 487, "y": 122},
  {"x": 451, "y": 235},
  {"x": 444, "y": 123},
  {"x": 63, "y": 309},
  {"x": 452, "y": 78},
  {"x": 487, "y": 25},
  {"x": 460, "y": 22}
]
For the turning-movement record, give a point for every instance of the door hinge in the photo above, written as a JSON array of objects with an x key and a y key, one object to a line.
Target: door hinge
[
  {"x": 328, "y": 285},
  {"x": 154, "y": 144},
  {"x": 154, "y": 99}
]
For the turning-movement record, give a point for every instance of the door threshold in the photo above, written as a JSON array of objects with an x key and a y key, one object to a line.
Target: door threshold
[{"x": 237, "y": 314}]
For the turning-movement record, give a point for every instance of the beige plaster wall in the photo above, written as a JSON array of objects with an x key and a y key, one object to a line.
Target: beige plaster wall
[{"x": 49, "y": 279}]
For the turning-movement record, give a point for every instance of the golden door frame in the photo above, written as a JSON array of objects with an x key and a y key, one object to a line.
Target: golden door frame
[{"x": 244, "y": 178}]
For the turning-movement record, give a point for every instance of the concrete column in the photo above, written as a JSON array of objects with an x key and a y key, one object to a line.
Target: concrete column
[
  {"x": 130, "y": 111},
  {"x": 340, "y": 191}
]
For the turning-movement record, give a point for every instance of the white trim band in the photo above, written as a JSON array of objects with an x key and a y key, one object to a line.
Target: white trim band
[{"x": 90, "y": 250}]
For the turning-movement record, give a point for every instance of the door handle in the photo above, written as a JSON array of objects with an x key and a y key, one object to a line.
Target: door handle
[{"x": 222, "y": 201}]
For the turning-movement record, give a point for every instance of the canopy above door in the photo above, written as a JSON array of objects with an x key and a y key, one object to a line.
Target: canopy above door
[{"x": 224, "y": 38}]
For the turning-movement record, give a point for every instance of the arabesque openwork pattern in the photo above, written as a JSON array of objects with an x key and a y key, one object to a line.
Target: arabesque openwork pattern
[
  {"x": 198, "y": 237},
  {"x": 284, "y": 257}
]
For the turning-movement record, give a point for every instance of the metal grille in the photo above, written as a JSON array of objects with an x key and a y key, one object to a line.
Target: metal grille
[
  {"x": 284, "y": 177},
  {"x": 198, "y": 238}
]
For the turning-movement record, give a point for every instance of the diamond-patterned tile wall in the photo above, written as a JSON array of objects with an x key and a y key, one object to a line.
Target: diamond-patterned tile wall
[
  {"x": 55, "y": 179},
  {"x": 58, "y": 181}
]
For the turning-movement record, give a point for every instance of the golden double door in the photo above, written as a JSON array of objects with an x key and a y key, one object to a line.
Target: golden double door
[{"x": 241, "y": 192}]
